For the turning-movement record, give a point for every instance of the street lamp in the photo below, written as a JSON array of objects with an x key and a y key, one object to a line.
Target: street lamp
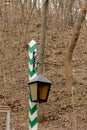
[{"x": 39, "y": 88}]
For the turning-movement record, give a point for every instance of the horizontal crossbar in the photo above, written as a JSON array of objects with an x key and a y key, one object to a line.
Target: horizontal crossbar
[{"x": 4, "y": 108}]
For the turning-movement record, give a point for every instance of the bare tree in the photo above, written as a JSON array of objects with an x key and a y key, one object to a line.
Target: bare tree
[
  {"x": 69, "y": 12},
  {"x": 38, "y": 4},
  {"x": 75, "y": 36},
  {"x": 43, "y": 33},
  {"x": 42, "y": 47}
]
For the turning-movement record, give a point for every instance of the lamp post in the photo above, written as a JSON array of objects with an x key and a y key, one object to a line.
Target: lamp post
[
  {"x": 32, "y": 53},
  {"x": 39, "y": 88}
]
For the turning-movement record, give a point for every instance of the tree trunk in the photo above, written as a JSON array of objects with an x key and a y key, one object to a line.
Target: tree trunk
[
  {"x": 43, "y": 34},
  {"x": 75, "y": 36},
  {"x": 69, "y": 12},
  {"x": 42, "y": 46}
]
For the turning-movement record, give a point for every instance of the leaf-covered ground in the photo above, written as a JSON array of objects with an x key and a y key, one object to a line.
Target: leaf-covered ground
[{"x": 63, "y": 111}]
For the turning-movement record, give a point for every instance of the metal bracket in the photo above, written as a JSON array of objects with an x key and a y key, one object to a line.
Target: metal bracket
[
  {"x": 36, "y": 64},
  {"x": 34, "y": 61}
]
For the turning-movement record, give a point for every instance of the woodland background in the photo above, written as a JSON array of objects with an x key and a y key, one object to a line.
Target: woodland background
[{"x": 61, "y": 26}]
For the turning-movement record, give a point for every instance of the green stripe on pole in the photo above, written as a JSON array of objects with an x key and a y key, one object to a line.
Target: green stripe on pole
[
  {"x": 32, "y": 123},
  {"x": 31, "y": 49},
  {"x": 30, "y": 61},
  {"x": 31, "y": 73},
  {"x": 32, "y": 110},
  {"x": 30, "y": 97}
]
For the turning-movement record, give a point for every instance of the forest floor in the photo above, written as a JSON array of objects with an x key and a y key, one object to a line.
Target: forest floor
[{"x": 63, "y": 111}]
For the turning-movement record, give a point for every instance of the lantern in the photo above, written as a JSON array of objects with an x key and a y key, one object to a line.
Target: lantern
[{"x": 39, "y": 88}]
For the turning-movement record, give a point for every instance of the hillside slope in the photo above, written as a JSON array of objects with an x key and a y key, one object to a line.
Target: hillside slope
[{"x": 60, "y": 112}]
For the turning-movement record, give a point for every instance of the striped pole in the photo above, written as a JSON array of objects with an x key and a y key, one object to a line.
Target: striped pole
[{"x": 33, "y": 121}]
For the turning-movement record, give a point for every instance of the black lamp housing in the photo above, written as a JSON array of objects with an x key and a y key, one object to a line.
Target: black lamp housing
[{"x": 39, "y": 88}]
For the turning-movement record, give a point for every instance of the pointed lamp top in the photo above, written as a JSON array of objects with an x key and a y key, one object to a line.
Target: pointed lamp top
[{"x": 40, "y": 78}]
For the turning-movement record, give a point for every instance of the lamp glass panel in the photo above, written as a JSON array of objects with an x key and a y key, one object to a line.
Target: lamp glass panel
[
  {"x": 43, "y": 92},
  {"x": 33, "y": 90}
]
